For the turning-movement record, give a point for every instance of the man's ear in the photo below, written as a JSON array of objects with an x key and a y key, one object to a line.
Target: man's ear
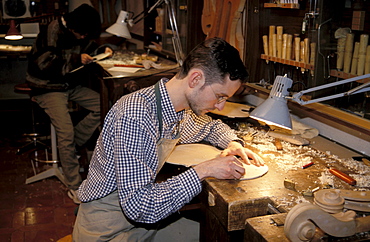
[{"x": 196, "y": 77}]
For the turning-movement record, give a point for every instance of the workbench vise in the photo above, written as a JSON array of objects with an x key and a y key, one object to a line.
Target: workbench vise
[{"x": 302, "y": 220}]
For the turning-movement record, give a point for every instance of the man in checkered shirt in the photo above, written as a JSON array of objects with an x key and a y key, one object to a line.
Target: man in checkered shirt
[{"x": 120, "y": 199}]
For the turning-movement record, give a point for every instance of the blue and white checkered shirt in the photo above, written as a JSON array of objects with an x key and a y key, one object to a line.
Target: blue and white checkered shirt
[{"x": 125, "y": 156}]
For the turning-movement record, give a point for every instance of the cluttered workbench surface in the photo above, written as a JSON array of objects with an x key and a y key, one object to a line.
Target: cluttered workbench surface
[
  {"x": 126, "y": 63},
  {"x": 300, "y": 171},
  {"x": 128, "y": 71}
]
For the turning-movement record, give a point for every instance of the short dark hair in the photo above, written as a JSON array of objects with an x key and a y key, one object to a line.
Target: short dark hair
[
  {"x": 216, "y": 58},
  {"x": 84, "y": 20}
]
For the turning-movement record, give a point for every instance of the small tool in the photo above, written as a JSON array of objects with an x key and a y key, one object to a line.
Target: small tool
[
  {"x": 123, "y": 65},
  {"x": 95, "y": 59},
  {"x": 288, "y": 184},
  {"x": 364, "y": 159},
  {"x": 278, "y": 144},
  {"x": 308, "y": 165},
  {"x": 249, "y": 136},
  {"x": 343, "y": 176}
]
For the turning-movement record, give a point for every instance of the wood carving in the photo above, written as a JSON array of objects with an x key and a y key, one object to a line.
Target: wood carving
[
  {"x": 222, "y": 18},
  {"x": 302, "y": 219}
]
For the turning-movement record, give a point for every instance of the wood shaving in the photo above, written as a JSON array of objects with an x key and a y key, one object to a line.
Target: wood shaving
[{"x": 293, "y": 157}]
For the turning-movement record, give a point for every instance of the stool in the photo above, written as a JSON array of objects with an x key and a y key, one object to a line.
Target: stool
[
  {"x": 36, "y": 145},
  {"x": 54, "y": 170},
  {"x": 23, "y": 88}
]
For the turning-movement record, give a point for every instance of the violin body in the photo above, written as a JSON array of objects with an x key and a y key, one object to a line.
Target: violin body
[
  {"x": 208, "y": 15},
  {"x": 222, "y": 18}
]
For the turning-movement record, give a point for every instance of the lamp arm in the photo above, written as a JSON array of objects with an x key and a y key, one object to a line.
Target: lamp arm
[
  {"x": 176, "y": 42},
  {"x": 179, "y": 54},
  {"x": 297, "y": 96},
  {"x": 145, "y": 13}
]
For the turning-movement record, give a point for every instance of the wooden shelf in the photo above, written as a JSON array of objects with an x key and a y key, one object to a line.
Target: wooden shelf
[
  {"x": 287, "y": 62},
  {"x": 345, "y": 75},
  {"x": 281, "y": 5}
]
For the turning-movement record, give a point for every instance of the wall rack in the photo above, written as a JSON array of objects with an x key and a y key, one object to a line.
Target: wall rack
[
  {"x": 345, "y": 75},
  {"x": 288, "y": 62},
  {"x": 281, "y": 5}
]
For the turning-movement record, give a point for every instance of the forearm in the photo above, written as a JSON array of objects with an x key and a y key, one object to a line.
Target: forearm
[{"x": 154, "y": 202}]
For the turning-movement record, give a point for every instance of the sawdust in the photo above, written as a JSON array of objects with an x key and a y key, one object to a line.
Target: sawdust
[{"x": 293, "y": 157}]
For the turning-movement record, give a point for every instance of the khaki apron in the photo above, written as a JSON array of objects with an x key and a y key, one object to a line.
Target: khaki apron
[{"x": 103, "y": 219}]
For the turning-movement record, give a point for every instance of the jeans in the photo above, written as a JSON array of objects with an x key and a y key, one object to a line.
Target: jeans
[{"x": 55, "y": 105}]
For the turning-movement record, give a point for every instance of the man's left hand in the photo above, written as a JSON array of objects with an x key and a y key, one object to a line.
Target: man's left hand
[
  {"x": 109, "y": 50},
  {"x": 235, "y": 148}
]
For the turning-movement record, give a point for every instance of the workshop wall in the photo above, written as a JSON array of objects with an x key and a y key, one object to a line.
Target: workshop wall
[{"x": 323, "y": 20}]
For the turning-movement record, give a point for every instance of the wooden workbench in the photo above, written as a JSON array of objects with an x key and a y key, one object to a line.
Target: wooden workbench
[
  {"x": 227, "y": 204},
  {"x": 115, "y": 85}
]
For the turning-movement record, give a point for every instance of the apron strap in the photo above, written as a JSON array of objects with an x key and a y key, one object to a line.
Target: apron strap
[{"x": 158, "y": 98}]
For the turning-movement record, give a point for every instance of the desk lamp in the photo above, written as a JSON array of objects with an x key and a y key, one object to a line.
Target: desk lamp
[
  {"x": 120, "y": 27},
  {"x": 13, "y": 33},
  {"x": 274, "y": 110}
]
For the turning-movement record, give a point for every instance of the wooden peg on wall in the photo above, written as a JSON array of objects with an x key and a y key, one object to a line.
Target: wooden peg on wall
[
  {"x": 289, "y": 47},
  {"x": 367, "y": 60},
  {"x": 348, "y": 50},
  {"x": 340, "y": 53},
  {"x": 312, "y": 56},
  {"x": 265, "y": 46},
  {"x": 364, "y": 40},
  {"x": 302, "y": 54},
  {"x": 355, "y": 58},
  {"x": 271, "y": 33},
  {"x": 297, "y": 43},
  {"x": 279, "y": 40},
  {"x": 284, "y": 47}
]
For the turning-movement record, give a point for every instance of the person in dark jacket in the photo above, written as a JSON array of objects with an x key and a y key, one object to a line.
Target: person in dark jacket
[{"x": 56, "y": 77}]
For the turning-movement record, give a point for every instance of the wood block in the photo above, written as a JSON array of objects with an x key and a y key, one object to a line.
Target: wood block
[{"x": 265, "y": 229}]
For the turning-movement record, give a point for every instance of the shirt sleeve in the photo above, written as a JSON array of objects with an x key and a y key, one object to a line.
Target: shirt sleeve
[{"x": 204, "y": 128}]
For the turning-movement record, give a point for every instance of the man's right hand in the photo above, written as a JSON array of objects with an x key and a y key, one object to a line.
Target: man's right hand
[
  {"x": 228, "y": 167},
  {"x": 86, "y": 59}
]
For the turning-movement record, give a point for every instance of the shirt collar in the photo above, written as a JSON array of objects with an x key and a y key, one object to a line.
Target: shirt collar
[{"x": 170, "y": 116}]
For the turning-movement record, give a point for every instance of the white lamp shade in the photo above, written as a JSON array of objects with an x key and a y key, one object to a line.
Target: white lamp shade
[
  {"x": 274, "y": 110},
  {"x": 120, "y": 27}
]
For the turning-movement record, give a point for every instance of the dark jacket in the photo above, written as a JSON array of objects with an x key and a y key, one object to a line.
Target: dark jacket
[{"x": 55, "y": 53}]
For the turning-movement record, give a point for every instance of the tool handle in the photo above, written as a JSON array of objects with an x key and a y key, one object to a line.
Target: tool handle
[
  {"x": 307, "y": 165},
  {"x": 343, "y": 176},
  {"x": 123, "y": 65},
  {"x": 278, "y": 144},
  {"x": 289, "y": 47}
]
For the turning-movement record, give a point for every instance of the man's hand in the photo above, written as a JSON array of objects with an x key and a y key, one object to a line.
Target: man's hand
[
  {"x": 109, "y": 50},
  {"x": 228, "y": 167},
  {"x": 235, "y": 148},
  {"x": 86, "y": 59}
]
